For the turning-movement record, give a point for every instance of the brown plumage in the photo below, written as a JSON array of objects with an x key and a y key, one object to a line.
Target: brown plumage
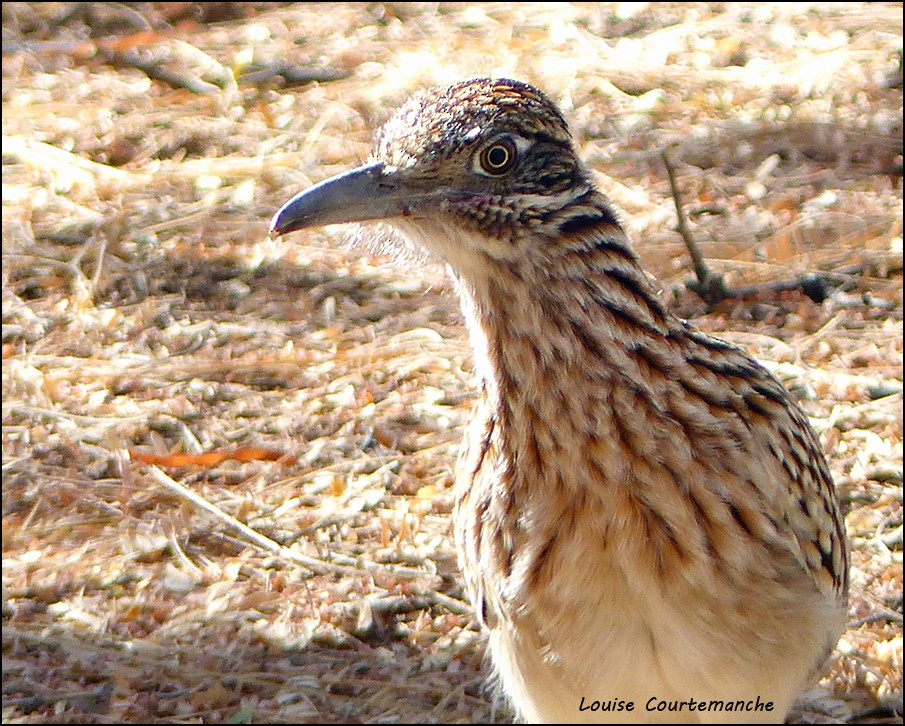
[{"x": 643, "y": 512}]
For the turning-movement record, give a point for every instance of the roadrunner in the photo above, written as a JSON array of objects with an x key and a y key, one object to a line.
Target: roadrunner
[{"x": 646, "y": 523}]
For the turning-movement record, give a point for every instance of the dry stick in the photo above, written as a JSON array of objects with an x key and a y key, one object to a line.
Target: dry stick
[
  {"x": 711, "y": 288},
  {"x": 452, "y": 604},
  {"x": 255, "y": 75},
  {"x": 155, "y": 70},
  {"x": 39, "y": 155},
  {"x": 152, "y": 68},
  {"x": 319, "y": 567},
  {"x": 292, "y": 76}
]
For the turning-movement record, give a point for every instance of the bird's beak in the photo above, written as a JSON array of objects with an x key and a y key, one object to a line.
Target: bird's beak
[{"x": 369, "y": 192}]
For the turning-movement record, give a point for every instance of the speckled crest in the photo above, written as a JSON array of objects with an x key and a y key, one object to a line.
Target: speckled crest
[{"x": 443, "y": 120}]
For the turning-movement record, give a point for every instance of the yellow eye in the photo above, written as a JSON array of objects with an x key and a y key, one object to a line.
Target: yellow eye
[{"x": 499, "y": 157}]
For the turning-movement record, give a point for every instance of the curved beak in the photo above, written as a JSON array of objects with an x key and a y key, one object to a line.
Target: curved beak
[{"x": 368, "y": 192}]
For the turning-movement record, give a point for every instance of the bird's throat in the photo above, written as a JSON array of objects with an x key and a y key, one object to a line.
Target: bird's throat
[{"x": 550, "y": 348}]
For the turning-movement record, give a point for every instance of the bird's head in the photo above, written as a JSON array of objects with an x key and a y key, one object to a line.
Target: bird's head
[{"x": 480, "y": 169}]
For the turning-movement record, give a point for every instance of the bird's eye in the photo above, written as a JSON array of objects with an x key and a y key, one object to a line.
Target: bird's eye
[{"x": 498, "y": 158}]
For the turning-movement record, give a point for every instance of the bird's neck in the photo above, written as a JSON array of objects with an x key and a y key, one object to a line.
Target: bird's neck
[
  {"x": 575, "y": 314},
  {"x": 564, "y": 348}
]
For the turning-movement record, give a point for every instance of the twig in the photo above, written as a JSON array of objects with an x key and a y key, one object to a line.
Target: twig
[
  {"x": 90, "y": 701},
  {"x": 815, "y": 286},
  {"x": 259, "y": 74},
  {"x": 884, "y": 616},
  {"x": 452, "y": 604},
  {"x": 712, "y": 288},
  {"x": 52, "y": 415},
  {"x": 40, "y": 155},
  {"x": 319, "y": 567},
  {"x": 154, "y": 70}
]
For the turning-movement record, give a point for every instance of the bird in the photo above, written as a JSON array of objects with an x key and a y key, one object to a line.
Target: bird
[{"x": 645, "y": 520}]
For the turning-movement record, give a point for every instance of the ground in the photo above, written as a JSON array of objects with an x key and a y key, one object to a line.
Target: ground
[{"x": 227, "y": 461}]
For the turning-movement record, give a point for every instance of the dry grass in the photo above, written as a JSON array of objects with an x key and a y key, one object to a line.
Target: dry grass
[{"x": 144, "y": 309}]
